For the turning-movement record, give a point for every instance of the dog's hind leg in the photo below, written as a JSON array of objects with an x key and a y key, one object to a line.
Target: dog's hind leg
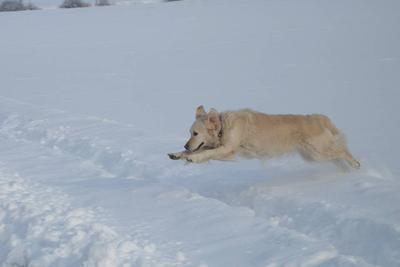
[
  {"x": 339, "y": 148},
  {"x": 327, "y": 151},
  {"x": 346, "y": 155}
]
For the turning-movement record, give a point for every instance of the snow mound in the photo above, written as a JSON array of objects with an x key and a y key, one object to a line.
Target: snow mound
[{"x": 40, "y": 227}]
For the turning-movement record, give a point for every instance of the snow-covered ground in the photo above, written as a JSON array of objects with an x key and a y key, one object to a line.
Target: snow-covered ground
[{"x": 91, "y": 100}]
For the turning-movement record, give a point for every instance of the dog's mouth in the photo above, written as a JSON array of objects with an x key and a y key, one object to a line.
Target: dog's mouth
[{"x": 202, "y": 143}]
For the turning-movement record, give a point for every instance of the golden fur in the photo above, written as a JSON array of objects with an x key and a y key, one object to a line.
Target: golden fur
[{"x": 251, "y": 134}]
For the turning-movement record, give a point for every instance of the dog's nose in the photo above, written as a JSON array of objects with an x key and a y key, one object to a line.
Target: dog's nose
[{"x": 187, "y": 146}]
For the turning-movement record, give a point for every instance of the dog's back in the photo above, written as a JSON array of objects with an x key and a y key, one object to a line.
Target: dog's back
[{"x": 263, "y": 135}]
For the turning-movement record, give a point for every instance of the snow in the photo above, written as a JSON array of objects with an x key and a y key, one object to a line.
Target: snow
[{"x": 92, "y": 100}]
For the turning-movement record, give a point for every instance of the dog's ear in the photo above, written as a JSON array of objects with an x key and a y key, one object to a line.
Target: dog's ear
[
  {"x": 213, "y": 121},
  {"x": 200, "y": 111}
]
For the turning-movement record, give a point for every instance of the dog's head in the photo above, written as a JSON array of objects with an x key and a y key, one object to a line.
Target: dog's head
[{"x": 204, "y": 131}]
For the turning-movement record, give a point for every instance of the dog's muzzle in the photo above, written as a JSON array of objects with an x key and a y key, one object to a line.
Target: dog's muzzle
[{"x": 202, "y": 143}]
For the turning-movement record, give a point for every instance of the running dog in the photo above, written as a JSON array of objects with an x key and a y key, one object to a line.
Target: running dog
[{"x": 252, "y": 134}]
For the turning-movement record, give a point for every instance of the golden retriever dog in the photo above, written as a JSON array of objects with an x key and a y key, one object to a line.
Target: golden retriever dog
[{"x": 251, "y": 134}]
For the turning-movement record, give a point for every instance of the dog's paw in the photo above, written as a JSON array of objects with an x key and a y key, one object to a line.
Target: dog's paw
[
  {"x": 193, "y": 158},
  {"x": 174, "y": 156}
]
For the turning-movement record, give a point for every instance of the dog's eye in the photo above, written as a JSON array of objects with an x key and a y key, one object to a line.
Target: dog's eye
[{"x": 195, "y": 133}]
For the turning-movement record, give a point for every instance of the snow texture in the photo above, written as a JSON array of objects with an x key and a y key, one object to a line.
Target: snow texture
[{"x": 92, "y": 100}]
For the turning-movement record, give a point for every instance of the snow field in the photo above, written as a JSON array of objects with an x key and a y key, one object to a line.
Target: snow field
[
  {"x": 283, "y": 212},
  {"x": 92, "y": 100}
]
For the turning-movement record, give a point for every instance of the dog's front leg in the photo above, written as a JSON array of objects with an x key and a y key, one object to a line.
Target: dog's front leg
[
  {"x": 219, "y": 153},
  {"x": 178, "y": 155}
]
